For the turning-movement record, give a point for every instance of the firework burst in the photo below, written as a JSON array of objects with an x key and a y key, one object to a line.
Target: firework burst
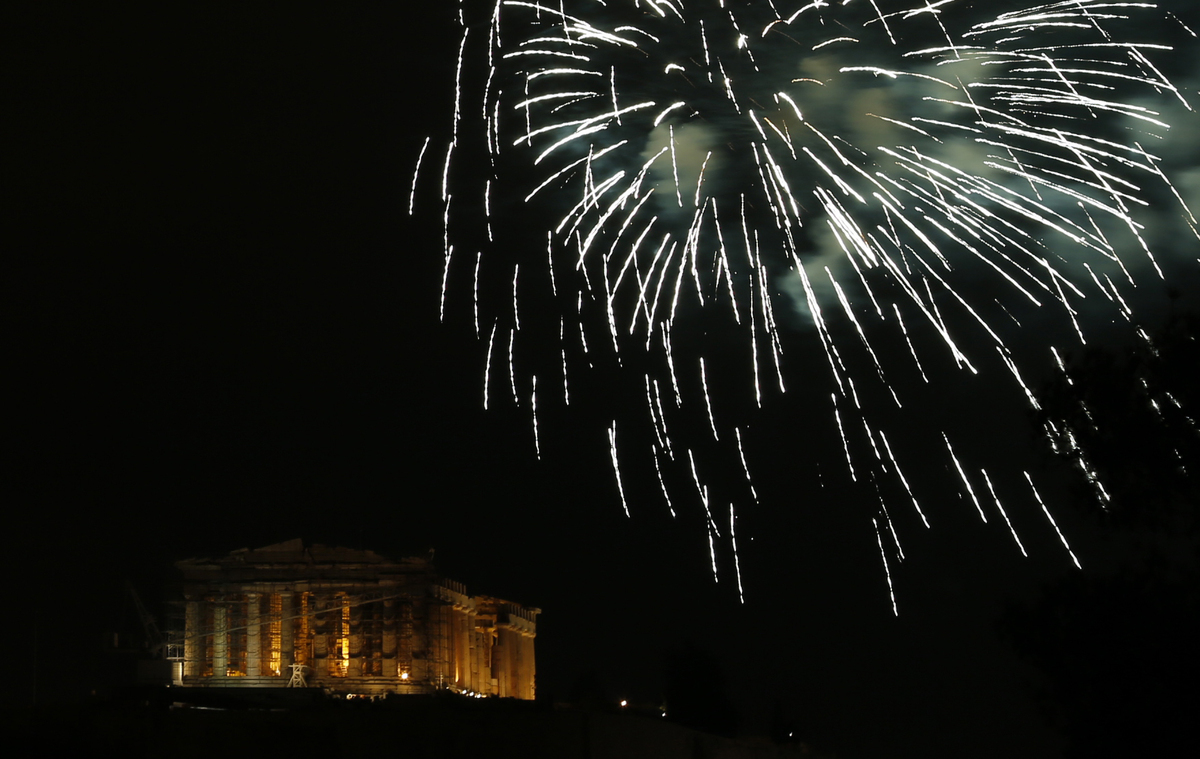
[{"x": 667, "y": 178}]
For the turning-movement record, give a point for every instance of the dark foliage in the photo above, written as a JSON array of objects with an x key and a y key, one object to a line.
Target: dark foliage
[
  {"x": 1118, "y": 659},
  {"x": 696, "y": 692},
  {"x": 587, "y": 692},
  {"x": 1117, "y": 650},
  {"x": 1130, "y": 417}
]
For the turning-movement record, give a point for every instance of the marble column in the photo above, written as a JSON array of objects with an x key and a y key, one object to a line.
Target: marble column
[
  {"x": 220, "y": 641},
  {"x": 253, "y": 635},
  {"x": 287, "y": 629},
  {"x": 193, "y": 640},
  {"x": 354, "y": 668},
  {"x": 389, "y": 638}
]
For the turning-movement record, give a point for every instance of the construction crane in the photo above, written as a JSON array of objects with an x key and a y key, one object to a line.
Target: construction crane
[{"x": 156, "y": 643}]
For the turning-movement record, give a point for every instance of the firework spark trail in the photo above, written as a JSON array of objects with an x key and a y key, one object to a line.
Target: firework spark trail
[
  {"x": 563, "y": 352},
  {"x": 487, "y": 367},
  {"x": 641, "y": 135},
  {"x": 1054, "y": 524},
  {"x": 837, "y": 415},
  {"x": 412, "y": 197},
  {"x": 737, "y": 565},
  {"x": 963, "y": 475},
  {"x": 745, "y": 468},
  {"x": 1003, "y": 513},
  {"x": 537, "y": 444},
  {"x": 661, "y": 483},
  {"x": 887, "y": 571},
  {"x": 662, "y": 421},
  {"x": 903, "y": 480},
  {"x": 475, "y": 291},
  {"x": 908, "y": 342},
  {"x": 887, "y": 518},
  {"x": 708, "y": 401},
  {"x": 1012, "y": 367},
  {"x": 712, "y": 551},
  {"x": 713, "y": 533},
  {"x": 612, "y": 449}
]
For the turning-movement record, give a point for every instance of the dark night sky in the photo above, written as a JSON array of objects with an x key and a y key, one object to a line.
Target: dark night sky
[{"x": 228, "y": 336}]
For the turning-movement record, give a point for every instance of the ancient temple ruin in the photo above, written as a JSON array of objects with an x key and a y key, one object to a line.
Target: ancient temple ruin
[{"x": 350, "y": 622}]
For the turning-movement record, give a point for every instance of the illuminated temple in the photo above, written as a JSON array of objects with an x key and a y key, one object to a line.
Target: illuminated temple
[{"x": 348, "y": 621}]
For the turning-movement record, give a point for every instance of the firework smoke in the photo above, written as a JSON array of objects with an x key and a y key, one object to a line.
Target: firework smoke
[{"x": 656, "y": 184}]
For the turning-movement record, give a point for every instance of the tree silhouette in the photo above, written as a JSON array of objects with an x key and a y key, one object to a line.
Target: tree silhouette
[
  {"x": 1127, "y": 419},
  {"x": 587, "y": 692},
  {"x": 696, "y": 692},
  {"x": 1117, "y": 651}
]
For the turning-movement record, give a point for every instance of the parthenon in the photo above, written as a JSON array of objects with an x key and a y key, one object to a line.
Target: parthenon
[{"x": 348, "y": 621}]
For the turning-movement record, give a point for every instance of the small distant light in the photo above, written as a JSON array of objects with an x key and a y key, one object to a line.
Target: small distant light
[{"x": 624, "y": 703}]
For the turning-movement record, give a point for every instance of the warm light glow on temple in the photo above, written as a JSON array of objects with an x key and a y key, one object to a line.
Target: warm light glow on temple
[
  {"x": 339, "y": 663},
  {"x": 355, "y": 622},
  {"x": 274, "y": 634}
]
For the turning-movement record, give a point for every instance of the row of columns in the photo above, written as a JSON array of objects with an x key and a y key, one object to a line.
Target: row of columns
[
  {"x": 307, "y": 632},
  {"x": 514, "y": 666},
  {"x": 438, "y": 642}
]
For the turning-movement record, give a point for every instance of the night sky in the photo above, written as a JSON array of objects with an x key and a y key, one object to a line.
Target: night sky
[{"x": 227, "y": 336}]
